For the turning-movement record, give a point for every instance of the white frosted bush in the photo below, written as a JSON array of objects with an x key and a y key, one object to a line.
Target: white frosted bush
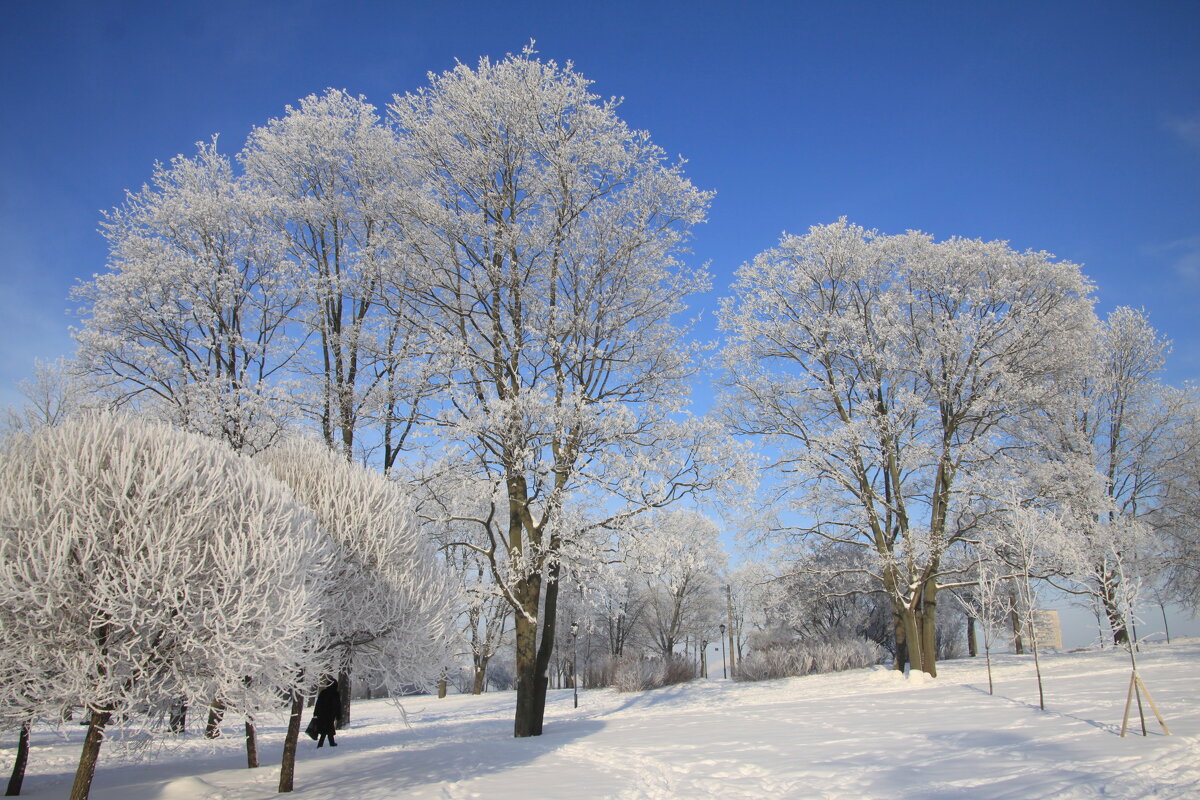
[{"x": 141, "y": 566}]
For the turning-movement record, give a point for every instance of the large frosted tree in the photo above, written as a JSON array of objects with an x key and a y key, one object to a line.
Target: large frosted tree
[
  {"x": 885, "y": 373},
  {"x": 544, "y": 241},
  {"x": 1134, "y": 431}
]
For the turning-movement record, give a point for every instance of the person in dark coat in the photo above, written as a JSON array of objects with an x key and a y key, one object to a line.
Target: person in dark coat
[{"x": 327, "y": 712}]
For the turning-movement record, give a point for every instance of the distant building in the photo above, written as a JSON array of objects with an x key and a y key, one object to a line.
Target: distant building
[{"x": 1049, "y": 630}]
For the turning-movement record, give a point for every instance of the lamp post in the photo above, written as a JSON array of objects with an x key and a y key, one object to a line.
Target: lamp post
[
  {"x": 724, "y": 672},
  {"x": 574, "y": 673}
]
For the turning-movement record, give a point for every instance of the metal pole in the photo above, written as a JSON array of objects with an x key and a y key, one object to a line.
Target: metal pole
[
  {"x": 574, "y": 657},
  {"x": 724, "y": 672},
  {"x": 729, "y": 602}
]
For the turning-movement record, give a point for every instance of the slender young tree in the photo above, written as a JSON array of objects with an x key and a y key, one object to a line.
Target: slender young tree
[
  {"x": 544, "y": 245},
  {"x": 326, "y": 169}
]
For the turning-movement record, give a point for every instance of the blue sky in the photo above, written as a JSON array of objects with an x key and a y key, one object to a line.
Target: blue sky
[{"x": 1072, "y": 127}]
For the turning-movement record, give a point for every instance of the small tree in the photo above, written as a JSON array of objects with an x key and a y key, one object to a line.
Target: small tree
[
  {"x": 139, "y": 565},
  {"x": 988, "y": 603},
  {"x": 390, "y": 609},
  {"x": 678, "y": 555}
]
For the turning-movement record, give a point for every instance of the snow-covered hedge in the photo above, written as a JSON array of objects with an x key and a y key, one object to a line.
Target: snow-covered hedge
[
  {"x": 786, "y": 659},
  {"x": 637, "y": 674}
]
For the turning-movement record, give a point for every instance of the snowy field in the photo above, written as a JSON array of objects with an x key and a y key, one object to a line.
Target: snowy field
[{"x": 859, "y": 734}]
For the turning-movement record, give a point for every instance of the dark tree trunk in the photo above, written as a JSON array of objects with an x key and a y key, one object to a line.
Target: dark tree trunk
[
  {"x": 480, "y": 677},
  {"x": 442, "y": 687},
  {"x": 178, "y": 721},
  {"x": 1018, "y": 643},
  {"x": 216, "y": 712},
  {"x": 82, "y": 786},
  {"x": 18, "y": 771},
  {"x": 251, "y": 746},
  {"x": 901, "y": 642},
  {"x": 345, "y": 685},
  {"x": 972, "y": 648},
  {"x": 287, "y": 769}
]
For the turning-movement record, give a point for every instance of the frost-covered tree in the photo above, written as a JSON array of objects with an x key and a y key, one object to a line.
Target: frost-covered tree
[
  {"x": 881, "y": 372},
  {"x": 1134, "y": 430},
  {"x": 140, "y": 565},
  {"x": 457, "y": 511},
  {"x": 678, "y": 556},
  {"x": 53, "y": 393},
  {"x": 391, "y": 609},
  {"x": 1175, "y": 519},
  {"x": 328, "y": 169},
  {"x": 544, "y": 249},
  {"x": 191, "y": 317}
]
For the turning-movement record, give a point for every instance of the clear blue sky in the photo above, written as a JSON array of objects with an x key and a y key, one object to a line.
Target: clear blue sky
[{"x": 1072, "y": 127}]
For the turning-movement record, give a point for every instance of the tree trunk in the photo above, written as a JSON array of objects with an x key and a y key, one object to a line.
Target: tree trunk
[
  {"x": 287, "y": 768},
  {"x": 1018, "y": 644},
  {"x": 216, "y": 712},
  {"x": 251, "y": 746},
  {"x": 527, "y": 678},
  {"x": 912, "y": 639},
  {"x": 442, "y": 686},
  {"x": 480, "y": 677},
  {"x": 18, "y": 771},
  {"x": 901, "y": 637},
  {"x": 928, "y": 625},
  {"x": 82, "y": 786},
  {"x": 1116, "y": 621},
  {"x": 345, "y": 687},
  {"x": 972, "y": 648}
]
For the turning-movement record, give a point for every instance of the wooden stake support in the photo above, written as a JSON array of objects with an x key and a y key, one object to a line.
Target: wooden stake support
[{"x": 1136, "y": 685}]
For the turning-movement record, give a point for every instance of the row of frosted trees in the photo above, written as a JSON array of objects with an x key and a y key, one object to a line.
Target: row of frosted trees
[
  {"x": 145, "y": 571},
  {"x": 477, "y": 295}
]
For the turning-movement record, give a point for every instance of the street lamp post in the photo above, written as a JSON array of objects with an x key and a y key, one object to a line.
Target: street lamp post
[
  {"x": 724, "y": 672},
  {"x": 574, "y": 672}
]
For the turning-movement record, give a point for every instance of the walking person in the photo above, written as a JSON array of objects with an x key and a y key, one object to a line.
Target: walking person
[{"x": 327, "y": 712}]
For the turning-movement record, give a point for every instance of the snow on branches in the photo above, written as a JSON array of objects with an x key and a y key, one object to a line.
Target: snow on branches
[
  {"x": 142, "y": 566},
  {"x": 390, "y": 609}
]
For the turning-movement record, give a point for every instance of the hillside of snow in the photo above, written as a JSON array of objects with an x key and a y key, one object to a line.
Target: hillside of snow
[{"x": 860, "y": 734}]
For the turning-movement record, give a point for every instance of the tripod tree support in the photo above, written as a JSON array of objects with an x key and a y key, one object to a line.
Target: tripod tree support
[{"x": 1136, "y": 686}]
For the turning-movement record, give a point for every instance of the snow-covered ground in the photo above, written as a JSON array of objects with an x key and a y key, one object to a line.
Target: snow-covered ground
[{"x": 859, "y": 734}]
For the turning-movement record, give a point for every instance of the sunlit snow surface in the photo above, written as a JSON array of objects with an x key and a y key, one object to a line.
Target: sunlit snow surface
[{"x": 858, "y": 734}]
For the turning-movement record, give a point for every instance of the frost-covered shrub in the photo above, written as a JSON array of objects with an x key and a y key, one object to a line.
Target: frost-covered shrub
[
  {"x": 677, "y": 670},
  {"x": 141, "y": 566},
  {"x": 391, "y": 609},
  {"x": 637, "y": 674},
  {"x": 784, "y": 658}
]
